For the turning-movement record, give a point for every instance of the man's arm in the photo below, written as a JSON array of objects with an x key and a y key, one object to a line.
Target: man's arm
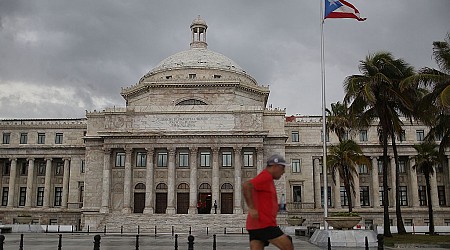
[{"x": 248, "y": 196}]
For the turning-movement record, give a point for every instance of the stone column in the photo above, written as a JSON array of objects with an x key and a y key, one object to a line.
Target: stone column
[
  {"x": 30, "y": 181},
  {"x": 149, "y": 183},
  {"x": 171, "y": 183},
  {"x": 260, "y": 160},
  {"x": 337, "y": 190},
  {"x": 375, "y": 183},
  {"x": 215, "y": 177},
  {"x": 193, "y": 181},
  {"x": 127, "y": 182},
  {"x": 65, "y": 193},
  {"x": 106, "y": 182},
  {"x": 237, "y": 180},
  {"x": 434, "y": 190},
  {"x": 392, "y": 200},
  {"x": 317, "y": 178},
  {"x": 357, "y": 200},
  {"x": 47, "y": 182},
  {"x": 12, "y": 183},
  {"x": 413, "y": 183}
]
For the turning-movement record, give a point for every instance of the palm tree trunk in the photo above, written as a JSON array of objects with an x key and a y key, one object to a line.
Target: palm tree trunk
[
  {"x": 430, "y": 205},
  {"x": 347, "y": 190},
  {"x": 398, "y": 212},
  {"x": 386, "y": 221}
]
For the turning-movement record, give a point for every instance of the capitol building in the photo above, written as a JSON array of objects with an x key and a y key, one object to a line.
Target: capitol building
[{"x": 194, "y": 128}]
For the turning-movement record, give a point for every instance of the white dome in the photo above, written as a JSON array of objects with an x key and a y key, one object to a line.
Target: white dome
[{"x": 197, "y": 58}]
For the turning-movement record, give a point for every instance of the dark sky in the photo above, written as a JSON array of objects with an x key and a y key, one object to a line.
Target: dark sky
[{"x": 60, "y": 58}]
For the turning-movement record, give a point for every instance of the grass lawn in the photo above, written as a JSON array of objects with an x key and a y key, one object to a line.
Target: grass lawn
[{"x": 417, "y": 239}]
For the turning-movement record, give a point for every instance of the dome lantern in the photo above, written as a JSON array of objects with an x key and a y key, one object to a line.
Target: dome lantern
[{"x": 198, "y": 29}]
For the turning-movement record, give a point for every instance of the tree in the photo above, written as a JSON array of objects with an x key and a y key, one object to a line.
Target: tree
[
  {"x": 345, "y": 158},
  {"x": 427, "y": 157},
  {"x": 338, "y": 119},
  {"x": 437, "y": 100},
  {"x": 375, "y": 94}
]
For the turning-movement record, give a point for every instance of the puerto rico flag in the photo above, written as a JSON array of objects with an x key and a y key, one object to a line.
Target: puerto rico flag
[{"x": 341, "y": 9}]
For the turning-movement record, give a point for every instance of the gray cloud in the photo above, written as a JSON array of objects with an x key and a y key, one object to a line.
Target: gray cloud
[{"x": 60, "y": 58}]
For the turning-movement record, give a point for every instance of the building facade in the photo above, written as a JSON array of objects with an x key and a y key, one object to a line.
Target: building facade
[{"x": 194, "y": 128}]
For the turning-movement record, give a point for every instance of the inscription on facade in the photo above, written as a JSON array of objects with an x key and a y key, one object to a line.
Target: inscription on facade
[{"x": 204, "y": 122}]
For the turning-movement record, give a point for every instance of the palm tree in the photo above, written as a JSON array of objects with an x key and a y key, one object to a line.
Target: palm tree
[
  {"x": 345, "y": 157},
  {"x": 339, "y": 120},
  {"x": 427, "y": 156},
  {"x": 375, "y": 94},
  {"x": 437, "y": 101}
]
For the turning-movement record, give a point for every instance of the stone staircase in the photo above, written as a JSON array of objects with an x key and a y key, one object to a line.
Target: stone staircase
[{"x": 179, "y": 223}]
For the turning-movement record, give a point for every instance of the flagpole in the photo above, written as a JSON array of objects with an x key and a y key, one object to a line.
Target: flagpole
[{"x": 324, "y": 126}]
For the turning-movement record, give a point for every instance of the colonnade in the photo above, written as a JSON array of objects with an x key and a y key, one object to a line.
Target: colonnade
[
  {"x": 31, "y": 185},
  {"x": 171, "y": 178}
]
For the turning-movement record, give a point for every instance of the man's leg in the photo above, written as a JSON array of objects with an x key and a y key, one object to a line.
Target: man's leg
[
  {"x": 256, "y": 245},
  {"x": 284, "y": 242}
]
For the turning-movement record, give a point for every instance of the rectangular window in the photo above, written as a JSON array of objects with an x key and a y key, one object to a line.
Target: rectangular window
[
  {"x": 294, "y": 136},
  {"x": 217, "y": 76},
  {"x": 402, "y": 166},
  {"x": 422, "y": 196},
  {"x": 364, "y": 196},
  {"x": 59, "y": 169},
  {"x": 441, "y": 195},
  {"x": 446, "y": 222},
  {"x": 40, "y": 197},
  {"x": 297, "y": 193},
  {"x": 41, "y": 138},
  {"x": 81, "y": 192},
  {"x": 380, "y": 166},
  {"x": 328, "y": 194},
  {"x": 363, "y": 135},
  {"x": 141, "y": 159},
  {"x": 296, "y": 165},
  {"x": 58, "y": 196},
  {"x": 41, "y": 168},
  {"x": 22, "y": 196},
  {"x": 402, "y": 136},
  {"x": 344, "y": 136},
  {"x": 6, "y": 168},
  {"x": 403, "y": 191},
  {"x": 82, "y": 166},
  {"x": 24, "y": 168},
  {"x": 120, "y": 159},
  {"x": 59, "y": 138},
  {"x": 162, "y": 159},
  {"x": 226, "y": 159},
  {"x": 327, "y": 136},
  {"x": 363, "y": 169},
  {"x": 183, "y": 158},
  {"x": 5, "y": 192},
  {"x": 420, "y": 135},
  {"x": 192, "y": 76},
  {"x": 248, "y": 159},
  {"x": 53, "y": 222},
  {"x": 381, "y": 193},
  {"x": 344, "y": 198},
  {"x": 205, "y": 159},
  {"x": 368, "y": 223},
  {"x": 6, "y": 138},
  {"x": 23, "y": 138}
]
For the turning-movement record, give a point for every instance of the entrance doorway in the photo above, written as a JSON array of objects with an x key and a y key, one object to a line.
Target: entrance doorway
[
  {"x": 226, "y": 203},
  {"x": 161, "y": 203},
  {"x": 139, "y": 202},
  {"x": 204, "y": 203},
  {"x": 182, "y": 203}
]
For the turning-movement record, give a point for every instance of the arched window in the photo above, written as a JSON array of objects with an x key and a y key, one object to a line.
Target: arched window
[
  {"x": 161, "y": 186},
  {"x": 139, "y": 186},
  {"x": 205, "y": 186},
  {"x": 191, "y": 102},
  {"x": 226, "y": 186},
  {"x": 183, "y": 186}
]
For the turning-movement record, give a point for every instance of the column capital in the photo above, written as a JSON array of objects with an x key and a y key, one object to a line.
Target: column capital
[
  {"x": 66, "y": 159},
  {"x": 237, "y": 149},
  {"x": 107, "y": 150},
  {"x": 12, "y": 158},
  {"x": 150, "y": 150},
  {"x": 171, "y": 150},
  {"x": 193, "y": 150},
  {"x": 215, "y": 149},
  {"x": 372, "y": 157},
  {"x": 48, "y": 159},
  {"x": 260, "y": 149},
  {"x": 30, "y": 159},
  {"x": 128, "y": 150}
]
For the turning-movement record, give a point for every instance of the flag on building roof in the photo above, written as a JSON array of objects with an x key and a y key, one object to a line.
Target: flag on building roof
[{"x": 341, "y": 9}]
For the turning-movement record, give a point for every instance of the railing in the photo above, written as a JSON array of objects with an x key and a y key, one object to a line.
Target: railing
[{"x": 298, "y": 206}]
